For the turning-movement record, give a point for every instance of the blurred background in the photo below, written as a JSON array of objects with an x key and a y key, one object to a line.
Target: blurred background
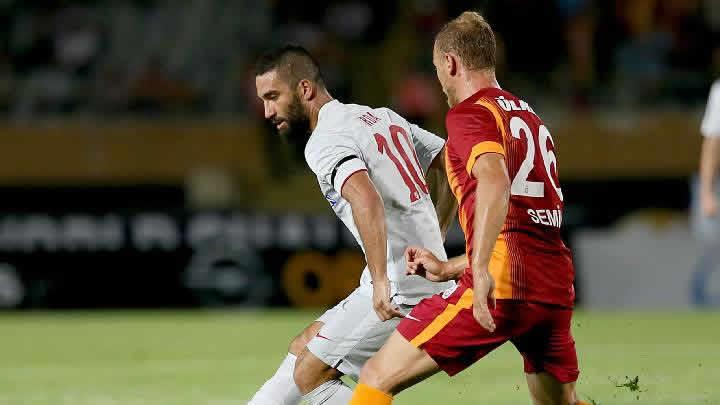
[
  {"x": 136, "y": 169},
  {"x": 138, "y": 183}
]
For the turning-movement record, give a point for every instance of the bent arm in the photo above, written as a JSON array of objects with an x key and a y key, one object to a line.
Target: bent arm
[
  {"x": 445, "y": 203},
  {"x": 369, "y": 216},
  {"x": 492, "y": 198}
]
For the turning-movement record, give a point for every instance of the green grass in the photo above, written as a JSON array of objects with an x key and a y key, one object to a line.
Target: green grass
[{"x": 219, "y": 358}]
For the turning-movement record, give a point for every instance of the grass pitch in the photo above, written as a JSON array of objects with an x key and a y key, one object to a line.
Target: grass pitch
[{"x": 214, "y": 358}]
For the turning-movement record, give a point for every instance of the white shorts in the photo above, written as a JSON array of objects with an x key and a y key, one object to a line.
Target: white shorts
[{"x": 352, "y": 333}]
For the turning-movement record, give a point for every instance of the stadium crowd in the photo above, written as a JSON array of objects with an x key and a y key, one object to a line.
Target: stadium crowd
[{"x": 150, "y": 57}]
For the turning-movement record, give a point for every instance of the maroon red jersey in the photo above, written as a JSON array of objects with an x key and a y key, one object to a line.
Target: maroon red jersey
[{"x": 530, "y": 262}]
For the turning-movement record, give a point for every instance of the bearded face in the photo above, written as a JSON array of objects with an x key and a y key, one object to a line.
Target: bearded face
[
  {"x": 294, "y": 124},
  {"x": 283, "y": 108}
]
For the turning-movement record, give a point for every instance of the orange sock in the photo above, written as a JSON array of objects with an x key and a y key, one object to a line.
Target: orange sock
[{"x": 367, "y": 395}]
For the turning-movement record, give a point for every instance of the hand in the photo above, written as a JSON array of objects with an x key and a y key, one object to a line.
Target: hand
[
  {"x": 381, "y": 301},
  {"x": 423, "y": 263},
  {"x": 484, "y": 299},
  {"x": 708, "y": 204}
]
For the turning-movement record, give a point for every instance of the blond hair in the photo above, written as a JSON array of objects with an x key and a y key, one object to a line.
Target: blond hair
[{"x": 471, "y": 38}]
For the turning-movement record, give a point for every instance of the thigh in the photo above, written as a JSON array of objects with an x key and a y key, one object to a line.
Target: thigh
[
  {"x": 445, "y": 328},
  {"x": 351, "y": 335},
  {"x": 300, "y": 341},
  {"x": 366, "y": 343},
  {"x": 332, "y": 312},
  {"x": 548, "y": 347}
]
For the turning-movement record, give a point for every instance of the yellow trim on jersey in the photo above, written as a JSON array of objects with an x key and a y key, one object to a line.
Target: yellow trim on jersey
[
  {"x": 480, "y": 149},
  {"x": 496, "y": 113},
  {"x": 462, "y": 218},
  {"x": 452, "y": 178},
  {"x": 500, "y": 269},
  {"x": 450, "y": 312}
]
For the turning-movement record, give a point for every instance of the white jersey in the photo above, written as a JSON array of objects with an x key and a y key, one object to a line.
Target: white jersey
[
  {"x": 711, "y": 120},
  {"x": 349, "y": 138}
]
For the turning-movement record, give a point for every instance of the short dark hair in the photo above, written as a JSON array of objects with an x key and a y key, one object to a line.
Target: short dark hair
[
  {"x": 471, "y": 38},
  {"x": 293, "y": 63}
]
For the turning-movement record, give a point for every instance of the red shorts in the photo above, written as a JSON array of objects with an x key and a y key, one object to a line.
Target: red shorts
[{"x": 446, "y": 330}]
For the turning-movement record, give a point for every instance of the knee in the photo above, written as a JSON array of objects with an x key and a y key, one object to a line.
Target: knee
[
  {"x": 372, "y": 374},
  {"x": 569, "y": 396},
  {"x": 565, "y": 398},
  {"x": 571, "y": 399},
  {"x": 561, "y": 399},
  {"x": 303, "y": 375},
  {"x": 310, "y": 372},
  {"x": 548, "y": 390}
]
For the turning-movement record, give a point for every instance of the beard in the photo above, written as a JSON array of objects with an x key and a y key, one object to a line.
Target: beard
[{"x": 297, "y": 131}]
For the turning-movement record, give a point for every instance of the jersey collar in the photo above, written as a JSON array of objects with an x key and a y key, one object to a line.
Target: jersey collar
[
  {"x": 474, "y": 97},
  {"x": 327, "y": 108}
]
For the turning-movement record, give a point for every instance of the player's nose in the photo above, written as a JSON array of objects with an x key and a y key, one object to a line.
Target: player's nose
[{"x": 269, "y": 110}]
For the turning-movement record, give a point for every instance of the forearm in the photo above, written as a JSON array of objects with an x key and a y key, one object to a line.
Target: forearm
[
  {"x": 445, "y": 204},
  {"x": 370, "y": 221},
  {"x": 709, "y": 159},
  {"x": 491, "y": 206},
  {"x": 455, "y": 267}
]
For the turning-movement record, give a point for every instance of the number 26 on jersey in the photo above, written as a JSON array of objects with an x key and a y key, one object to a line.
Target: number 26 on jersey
[{"x": 521, "y": 185}]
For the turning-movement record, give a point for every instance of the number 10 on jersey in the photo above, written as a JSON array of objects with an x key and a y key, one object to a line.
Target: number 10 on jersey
[{"x": 413, "y": 180}]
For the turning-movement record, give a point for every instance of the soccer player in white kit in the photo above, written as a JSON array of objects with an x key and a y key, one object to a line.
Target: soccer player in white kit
[
  {"x": 370, "y": 164},
  {"x": 710, "y": 154}
]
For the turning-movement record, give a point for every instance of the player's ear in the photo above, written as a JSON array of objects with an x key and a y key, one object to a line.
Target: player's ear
[
  {"x": 306, "y": 89},
  {"x": 452, "y": 65}
]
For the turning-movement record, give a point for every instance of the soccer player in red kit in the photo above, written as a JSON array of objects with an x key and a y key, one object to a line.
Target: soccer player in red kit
[{"x": 516, "y": 279}]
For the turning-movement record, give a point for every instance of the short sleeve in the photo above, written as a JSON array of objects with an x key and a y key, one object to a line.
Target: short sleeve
[
  {"x": 334, "y": 157},
  {"x": 711, "y": 120},
  {"x": 474, "y": 131},
  {"x": 427, "y": 145}
]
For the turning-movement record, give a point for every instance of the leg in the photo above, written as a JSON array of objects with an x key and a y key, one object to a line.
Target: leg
[
  {"x": 311, "y": 372},
  {"x": 280, "y": 389},
  {"x": 397, "y": 366},
  {"x": 440, "y": 334},
  {"x": 298, "y": 344},
  {"x": 341, "y": 347},
  {"x": 318, "y": 382},
  {"x": 546, "y": 390},
  {"x": 551, "y": 364}
]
